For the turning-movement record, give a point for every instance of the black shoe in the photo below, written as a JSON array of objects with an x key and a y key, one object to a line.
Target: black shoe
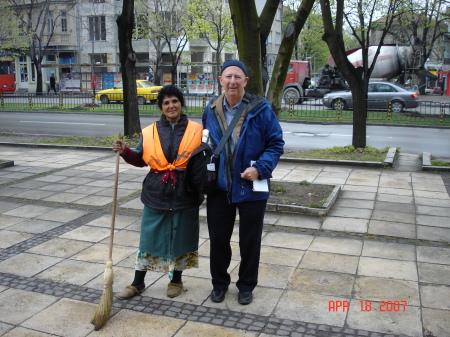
[
  {"x": 245, "y": 297},
  {"x": 218, "y": 295}
]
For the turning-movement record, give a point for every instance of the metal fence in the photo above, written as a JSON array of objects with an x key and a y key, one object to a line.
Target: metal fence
[{"x": 428, "y": 112}]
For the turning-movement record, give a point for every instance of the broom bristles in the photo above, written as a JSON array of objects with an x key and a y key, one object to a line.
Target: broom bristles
[{"x": 103, "y": 311}]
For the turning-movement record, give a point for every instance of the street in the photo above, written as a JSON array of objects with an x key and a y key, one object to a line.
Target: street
[{"x": 410, "y": 139}]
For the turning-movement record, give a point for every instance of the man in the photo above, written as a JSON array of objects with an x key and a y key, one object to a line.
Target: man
[
  {"x": 52, "y": 83},
  {"x": 251, "y": 153}
]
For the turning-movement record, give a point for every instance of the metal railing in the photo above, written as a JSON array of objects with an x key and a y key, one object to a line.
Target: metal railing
[{"x": 427, "y": 113}]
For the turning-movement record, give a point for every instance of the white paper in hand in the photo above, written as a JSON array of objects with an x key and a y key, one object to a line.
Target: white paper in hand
[{"x": 260, "y": 185}]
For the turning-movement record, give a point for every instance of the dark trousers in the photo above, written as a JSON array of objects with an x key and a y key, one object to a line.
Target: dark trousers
[{"x": 221, "y": 217}]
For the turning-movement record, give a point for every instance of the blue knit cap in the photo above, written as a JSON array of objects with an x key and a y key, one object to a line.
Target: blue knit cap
[{"x": 236, "y": 63}]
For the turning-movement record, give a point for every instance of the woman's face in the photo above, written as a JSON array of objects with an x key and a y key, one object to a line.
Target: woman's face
[{"x": 171, "y": 108}]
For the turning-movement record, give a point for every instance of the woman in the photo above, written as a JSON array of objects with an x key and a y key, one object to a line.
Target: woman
[{"x": 170, "y": 219}]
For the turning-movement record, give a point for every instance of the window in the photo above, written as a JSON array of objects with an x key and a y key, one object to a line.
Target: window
[
  {"x": 140, "y": 30},
  {"x": 278, "y": 15},
  {"x": 51, "y": 58},
  {"x": 49, "y": 22},
  {"x": 97, "y": 28},
  {"x": 63, "y": 21},
  {"x": 277, "y": 38},
  {"x": 169, "y": 19}
]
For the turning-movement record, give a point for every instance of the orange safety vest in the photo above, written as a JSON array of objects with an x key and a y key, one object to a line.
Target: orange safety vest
[{"x": 153, "y": 153}]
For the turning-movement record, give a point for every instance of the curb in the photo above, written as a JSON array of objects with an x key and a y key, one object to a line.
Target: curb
[
  {"x": 279, "y": 208},
  {"x": 388, "y": 161},
  {"x": 427, "y": 166},
  {"x": 6, "y": 163},
  {"x": 54, "y": 146}
]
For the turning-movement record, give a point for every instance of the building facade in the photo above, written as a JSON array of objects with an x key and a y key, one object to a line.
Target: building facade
[{"x": 80, "y": 47}]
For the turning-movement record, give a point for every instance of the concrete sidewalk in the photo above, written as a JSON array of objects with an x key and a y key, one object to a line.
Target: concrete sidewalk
[{"x": 377, "y": 265}]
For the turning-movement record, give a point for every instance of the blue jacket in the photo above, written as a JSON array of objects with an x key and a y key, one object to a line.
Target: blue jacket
[{"x": 260, "y": 140}]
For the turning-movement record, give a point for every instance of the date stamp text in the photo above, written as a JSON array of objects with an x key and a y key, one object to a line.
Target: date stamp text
[{"x": 369, "y": 306}]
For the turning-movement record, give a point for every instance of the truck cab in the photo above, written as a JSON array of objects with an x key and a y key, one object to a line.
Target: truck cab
[{"x": 298, "y": 78}]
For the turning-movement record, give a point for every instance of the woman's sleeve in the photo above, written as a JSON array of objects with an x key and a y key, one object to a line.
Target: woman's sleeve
[{"x": 134, "y": 157}]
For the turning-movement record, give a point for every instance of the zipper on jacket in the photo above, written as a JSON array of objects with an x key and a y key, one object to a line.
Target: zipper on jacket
[{"x": 172, "y": 189}]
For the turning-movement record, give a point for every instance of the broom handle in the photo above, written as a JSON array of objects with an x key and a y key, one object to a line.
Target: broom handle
[{"x": 113, "y": 215}]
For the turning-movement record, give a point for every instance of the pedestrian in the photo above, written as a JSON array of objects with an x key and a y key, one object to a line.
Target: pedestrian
[
  {"x": 170, "y": 220},
  {"x": 250, "y": 155},
  {"x": 52, "y": 83}
]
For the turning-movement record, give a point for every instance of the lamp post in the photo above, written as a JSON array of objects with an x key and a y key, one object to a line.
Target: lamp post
[{"x": 92, "y": 69}]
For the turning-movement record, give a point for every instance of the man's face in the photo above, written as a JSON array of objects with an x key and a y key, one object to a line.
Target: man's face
[{"x": 233, "y": 82}]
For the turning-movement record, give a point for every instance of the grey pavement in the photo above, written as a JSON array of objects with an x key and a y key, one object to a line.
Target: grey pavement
[{"x": 377, "y": 265}]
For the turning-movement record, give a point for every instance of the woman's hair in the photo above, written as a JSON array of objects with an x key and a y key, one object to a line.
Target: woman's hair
[{"x": 170, "y": 90}]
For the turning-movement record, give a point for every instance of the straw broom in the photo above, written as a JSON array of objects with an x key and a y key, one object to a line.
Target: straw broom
[{"x": 103, "y": 311}]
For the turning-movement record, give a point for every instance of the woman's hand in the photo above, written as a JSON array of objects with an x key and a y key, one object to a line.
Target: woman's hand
[{"x": 118, "y": 146}]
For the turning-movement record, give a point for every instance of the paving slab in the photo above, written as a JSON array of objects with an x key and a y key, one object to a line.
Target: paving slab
[
  {"x": 396, "y": 269},
  {"x": 26, "y": 264},
  {"x": 26, "y": 304},
  {"x": 370, "y": 288},
  {"x": 322, "y": 282},
  {"x": 434, "y": 273},
  {"x": 330, "y": 262},
  {"x": 392, "y": 228},
  {"x": 389, "y": 322},
  {"x": 436, "y": 322}
]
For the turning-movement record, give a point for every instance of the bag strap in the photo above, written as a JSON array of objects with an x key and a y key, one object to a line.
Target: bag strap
[{"x": 230, "y": 128}]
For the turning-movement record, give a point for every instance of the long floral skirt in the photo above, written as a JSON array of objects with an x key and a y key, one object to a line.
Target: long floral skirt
[{"x": 169, "y": 240}]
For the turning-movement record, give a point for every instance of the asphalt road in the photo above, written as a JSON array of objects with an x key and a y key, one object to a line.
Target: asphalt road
[{"x": 297, "y": 135}]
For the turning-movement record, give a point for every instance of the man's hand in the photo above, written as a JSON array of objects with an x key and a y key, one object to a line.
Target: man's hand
[{"x": 250, "y": 173}]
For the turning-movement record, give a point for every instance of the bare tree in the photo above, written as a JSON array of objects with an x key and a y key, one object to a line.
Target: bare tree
[
  {"x": 425, "y": 26},
  {"x": 361, "y": 16},
  {"x": 38, "y": 19},
  {"x": 211, "y": 20},
  {"x": 166, "y": 29},
  {"x": 151, "y": 31}
]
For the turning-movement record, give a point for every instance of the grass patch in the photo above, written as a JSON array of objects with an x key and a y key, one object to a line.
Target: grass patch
[
  {"x": 439, "y": 162},
  {"x": 349, "y": 152},
  {"x": 73, "y": 140}
]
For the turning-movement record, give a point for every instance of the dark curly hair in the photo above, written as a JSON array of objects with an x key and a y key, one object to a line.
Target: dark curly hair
[{"x": 170, "y": 90}]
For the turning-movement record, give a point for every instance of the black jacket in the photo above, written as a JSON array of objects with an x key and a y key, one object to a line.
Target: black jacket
[{"x": 164, "y": 197}]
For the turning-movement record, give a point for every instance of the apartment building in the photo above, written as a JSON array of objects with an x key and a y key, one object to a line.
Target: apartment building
[{"x": 80, "y": 46}]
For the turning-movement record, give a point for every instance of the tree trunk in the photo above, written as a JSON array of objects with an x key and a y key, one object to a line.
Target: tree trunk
[
  {"x": 246, "y": 27},
  {"x": 333, "y": 36},
  {"x": 275, "y": 93},
  {"x": 158, "y": 69},
  {"x": 127, "y": 57},
  {"x": 216, "y": 75},
  {"x": 173, "y": 72},
  {"x": 39, "y": 85},
  {"x": 359, "y": 117}
]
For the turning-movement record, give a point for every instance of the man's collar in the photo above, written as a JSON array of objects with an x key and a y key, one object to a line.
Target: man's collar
[{"x": 226, "y": 105}]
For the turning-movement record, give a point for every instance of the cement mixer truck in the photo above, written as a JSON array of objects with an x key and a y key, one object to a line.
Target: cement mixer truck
[{"x": 393, "y": 61}]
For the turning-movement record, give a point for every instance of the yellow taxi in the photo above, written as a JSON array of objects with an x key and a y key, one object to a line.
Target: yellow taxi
[{"x": 146, "y": 91}]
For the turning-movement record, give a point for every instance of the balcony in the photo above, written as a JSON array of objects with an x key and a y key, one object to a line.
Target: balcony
[{"x": 62, "y": 40}]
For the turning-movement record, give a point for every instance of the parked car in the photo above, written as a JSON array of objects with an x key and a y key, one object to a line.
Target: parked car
[
  {"x": 434, "y": 91},
  {"x": 146, "y": 91},
  {"x": 378, "y": 97}
]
